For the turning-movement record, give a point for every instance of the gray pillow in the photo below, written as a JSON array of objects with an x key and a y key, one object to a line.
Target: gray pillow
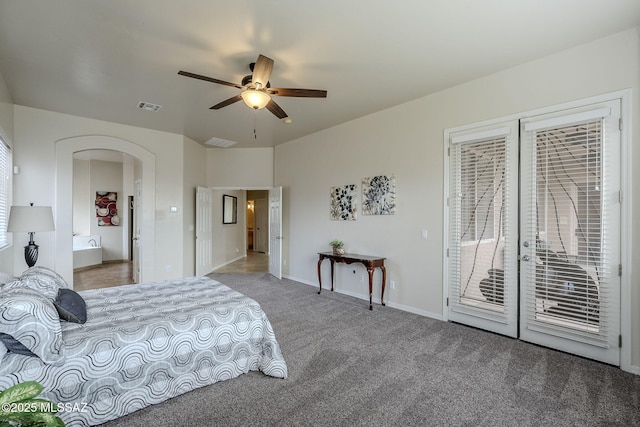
[
  {"x": 30, "y": 318},
  {"x": 71, "y": 307},
  {"x": 14, "y": 346}
]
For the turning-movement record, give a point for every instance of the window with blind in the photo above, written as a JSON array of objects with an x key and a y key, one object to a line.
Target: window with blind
[{"x": 5, "y": 191}]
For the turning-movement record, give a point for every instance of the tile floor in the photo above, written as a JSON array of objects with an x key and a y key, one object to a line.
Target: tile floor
[
  {"x": 254, "y": 262},
  {"x": 103, "y": 276}
]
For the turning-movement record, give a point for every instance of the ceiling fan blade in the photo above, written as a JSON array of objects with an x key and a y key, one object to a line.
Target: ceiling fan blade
[
  {"x": 226, "y": 102},
  {"x": 262, "y": 70},
  {"x": 276, "y": 110},
  {"x": 299, "y": 93},
  {"x": 208, "y": 79}
]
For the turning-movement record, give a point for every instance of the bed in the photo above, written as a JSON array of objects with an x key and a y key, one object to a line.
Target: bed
[{"x": 140, "y": 345}]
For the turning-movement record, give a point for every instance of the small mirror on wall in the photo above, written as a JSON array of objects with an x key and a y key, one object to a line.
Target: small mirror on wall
[{"x": 229, "y": 209}]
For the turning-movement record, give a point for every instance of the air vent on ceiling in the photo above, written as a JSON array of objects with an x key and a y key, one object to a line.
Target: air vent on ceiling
[
  {"x": 219, "y": 142},
  {"x": 148, "y": 106}
]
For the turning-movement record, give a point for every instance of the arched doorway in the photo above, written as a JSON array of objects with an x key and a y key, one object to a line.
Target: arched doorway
[{"x": 65, "y": 149}]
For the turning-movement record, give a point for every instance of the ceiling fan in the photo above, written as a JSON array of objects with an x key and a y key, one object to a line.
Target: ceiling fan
[{"x": 256, "y": 89}]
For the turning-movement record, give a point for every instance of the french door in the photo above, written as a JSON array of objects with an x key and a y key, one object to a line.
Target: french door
[
  {"x": 483, "y": 231},
  {"x": 570, "y": 231},
  {"x": 534, "y": 230}
]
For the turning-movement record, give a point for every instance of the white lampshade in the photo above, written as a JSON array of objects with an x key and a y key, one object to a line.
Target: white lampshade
[
  {"x": 255, "y": 99},
  {"x": 30, "y": 219}
]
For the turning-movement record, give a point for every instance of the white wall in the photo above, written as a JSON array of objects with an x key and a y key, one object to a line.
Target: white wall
[
  {"x": 6, "y": 112},
  {"x": 6, "y": 131},
  {"x": 229, "y": 240},
  {"x": 407, "y": 141},
  {"x": 195, "y": 174},
  {"x": 240, "y": 167},
  {"x": 81, "y": 197}
]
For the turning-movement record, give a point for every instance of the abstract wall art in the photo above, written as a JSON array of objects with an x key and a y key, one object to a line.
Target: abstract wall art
[
  {"x": 379, "y": 195},
  {"x": 344, "y": 203},
  {"x": 106, "y": 209}
]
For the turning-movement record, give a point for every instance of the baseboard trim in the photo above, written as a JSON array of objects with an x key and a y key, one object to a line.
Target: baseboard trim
[{"x": 391, "y": 304}]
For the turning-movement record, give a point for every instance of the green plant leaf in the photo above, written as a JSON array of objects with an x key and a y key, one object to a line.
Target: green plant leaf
[
  {"x": 22, "y": 391},
  {"x": 31, "y": 419},
  {"x": 46, "y": 419}
]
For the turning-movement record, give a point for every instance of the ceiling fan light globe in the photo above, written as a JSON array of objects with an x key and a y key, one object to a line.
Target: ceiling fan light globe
[{"x": 255, "y": 99}]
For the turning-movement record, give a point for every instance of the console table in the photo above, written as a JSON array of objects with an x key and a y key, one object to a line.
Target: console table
[{"x": 370, "y": 262}]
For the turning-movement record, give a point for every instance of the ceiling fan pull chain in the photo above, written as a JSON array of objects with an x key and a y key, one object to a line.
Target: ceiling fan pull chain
[{"x": 255, "y": 135}]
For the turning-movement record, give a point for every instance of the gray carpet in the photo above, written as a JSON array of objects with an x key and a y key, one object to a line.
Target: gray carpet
[{"x": 350, "y": 366}]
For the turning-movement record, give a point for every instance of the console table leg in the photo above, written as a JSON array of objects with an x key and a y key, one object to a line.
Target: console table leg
[
  {"x": 332, "y": 264},
  {"x": 370, "y": 271},
  {"x": 384, "y": 282},
  {"x": 319, "y": 276}
]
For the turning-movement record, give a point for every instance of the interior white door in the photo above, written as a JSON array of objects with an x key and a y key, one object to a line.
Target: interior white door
[
  {"x": 570, "y": 231},
  {"x": 483, "y": 208},
  {"x": 204, "y": 231},
  {"x": 135, "y": 239},
  {"x": 261, "y": 229},
  {"x": 275, "y": 232}
]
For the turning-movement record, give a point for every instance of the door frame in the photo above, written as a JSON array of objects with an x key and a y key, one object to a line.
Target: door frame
[
  {"x": 64, "y": 149},
  {"x": 245, "y": 188},
  {"x": 135, "y": 238},
  {"x": 625, "y": 220}
]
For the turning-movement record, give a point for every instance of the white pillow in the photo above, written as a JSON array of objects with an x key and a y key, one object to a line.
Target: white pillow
[{"x": 40, "y": 279}]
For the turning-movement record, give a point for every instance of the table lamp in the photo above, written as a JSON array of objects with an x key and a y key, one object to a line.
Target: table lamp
[{"x": 30, "y": 219}]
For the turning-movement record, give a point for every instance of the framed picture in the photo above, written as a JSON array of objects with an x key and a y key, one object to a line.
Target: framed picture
[
  {"x": 379, "y": 195},
  {"x": 344, "y": 203},
  {"x": 106, "y": 208}
]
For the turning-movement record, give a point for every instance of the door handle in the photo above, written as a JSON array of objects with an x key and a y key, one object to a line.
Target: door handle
[{"x": 526, "y": 258}]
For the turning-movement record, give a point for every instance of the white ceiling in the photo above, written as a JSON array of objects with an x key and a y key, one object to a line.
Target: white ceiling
[{"x": 100, "y": 58}]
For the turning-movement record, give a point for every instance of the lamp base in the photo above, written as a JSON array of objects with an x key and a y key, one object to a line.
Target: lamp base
[{"x": 31, "y": 254}]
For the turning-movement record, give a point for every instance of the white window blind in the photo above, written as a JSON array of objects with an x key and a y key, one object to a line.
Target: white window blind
[{"x": 5, "y": 179}]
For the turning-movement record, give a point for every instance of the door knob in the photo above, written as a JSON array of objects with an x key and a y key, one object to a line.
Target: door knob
[{"x": 526, "y": 258}]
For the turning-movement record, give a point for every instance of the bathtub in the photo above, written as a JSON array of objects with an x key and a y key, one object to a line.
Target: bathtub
[{"x": 87, "y": 251}]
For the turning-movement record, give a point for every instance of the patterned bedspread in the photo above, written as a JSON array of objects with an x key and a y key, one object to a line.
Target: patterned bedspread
[{"x": 143, "y": 344}]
